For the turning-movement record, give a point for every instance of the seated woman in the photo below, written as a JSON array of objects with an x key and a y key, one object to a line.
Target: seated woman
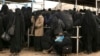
[{"x": 64, "y": 46}]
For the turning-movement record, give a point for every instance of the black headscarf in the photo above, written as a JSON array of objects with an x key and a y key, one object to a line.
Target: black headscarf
[
  {"x": 19, "y": 23},
  {"x": 4, "y": 9}
]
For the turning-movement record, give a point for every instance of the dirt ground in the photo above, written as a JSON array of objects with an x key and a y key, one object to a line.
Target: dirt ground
[{"x": 27, "y": 52}]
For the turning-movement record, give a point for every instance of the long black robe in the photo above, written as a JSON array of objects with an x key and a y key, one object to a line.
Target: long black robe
[
  {"x": 89, "y": 31},
  {"x": 4, "y": 15},
  {"x": 1, "y": 32},
  {"x": 18, "y": 38}
]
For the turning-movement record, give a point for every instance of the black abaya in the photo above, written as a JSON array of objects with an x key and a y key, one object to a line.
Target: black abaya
[
  {"x": 1, "y": 32},
  {"x": 18, "y": 37}
]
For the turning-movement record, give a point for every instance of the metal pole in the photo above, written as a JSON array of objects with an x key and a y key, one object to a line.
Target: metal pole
[
  {"x": 77, "y": 40},
  {"x": 3, "y": 2},
  {"x": 43, "y": 4},
  {"x": 32, "y": 5},
  {"x": 76, "y": 4},
  {"x": 60, "y": 6},
  {"x": 83, "y": 6},
  {"x": 96, "y": 6}
]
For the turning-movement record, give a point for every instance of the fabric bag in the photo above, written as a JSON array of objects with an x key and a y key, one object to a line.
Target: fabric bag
[
  {"x": 12, "y": 28},
  {"x": 5, "y": 36}
]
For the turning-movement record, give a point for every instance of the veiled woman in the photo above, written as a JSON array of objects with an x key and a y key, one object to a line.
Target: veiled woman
[{"x": 18, "y": 37}]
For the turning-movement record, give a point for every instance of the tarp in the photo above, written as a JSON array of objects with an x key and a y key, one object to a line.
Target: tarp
[
  {"x": 80, "y": 2},
  {"x": 18, "y": 0}
]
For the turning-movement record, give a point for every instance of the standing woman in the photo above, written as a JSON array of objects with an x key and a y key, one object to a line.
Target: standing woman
[
  {"x": 39, "y": 31},
  {"x": 18, "y": 37},
  {"x": 5, "y": 19}
]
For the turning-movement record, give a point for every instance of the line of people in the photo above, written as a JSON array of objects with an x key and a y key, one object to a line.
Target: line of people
[
  {"x": 7, "y": 18},
  {"x": 60, "y": 24},
  {"x": 23, "y": 19}
]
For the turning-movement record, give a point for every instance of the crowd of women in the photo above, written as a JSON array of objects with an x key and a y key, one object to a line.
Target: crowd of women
[
  {"x": 48, "y": 25},
  {"x": 23, "y": 19}
]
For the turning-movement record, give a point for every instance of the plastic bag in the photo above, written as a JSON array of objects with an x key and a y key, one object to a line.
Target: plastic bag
[{"x": 59, "y": 39}]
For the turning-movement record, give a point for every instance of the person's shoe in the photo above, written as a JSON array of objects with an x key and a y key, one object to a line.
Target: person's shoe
[
  {"x": 12, "y": 54},
  {"x": 38, "y": 49},
  {"x": 88, "y": 52},
  {"x": 16, "y": 54},
  {"x": 1, "y": 49},
  {"x": 45, "y": 51}
]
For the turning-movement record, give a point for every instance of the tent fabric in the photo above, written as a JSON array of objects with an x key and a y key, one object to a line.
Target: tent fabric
[
  {"x": 18, "y": 0},
  {"x": 80, "y": 2}
]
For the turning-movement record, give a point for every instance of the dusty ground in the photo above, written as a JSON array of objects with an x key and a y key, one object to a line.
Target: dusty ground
[{"x": 27, "y": 52}]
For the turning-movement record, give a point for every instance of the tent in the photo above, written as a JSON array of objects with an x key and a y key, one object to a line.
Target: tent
[{"x": 80, "y": 2}]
